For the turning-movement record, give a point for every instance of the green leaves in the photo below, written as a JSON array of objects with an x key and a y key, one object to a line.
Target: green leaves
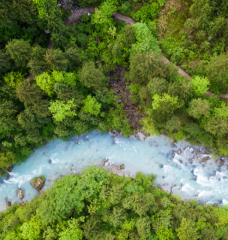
[
  {"x": 146, "y": 42},
  {"x": 61, "y": 109},
  {"x": 91, "y": 105},
  {"x": 90, "y": 76},
  {"x": 47, "y": 80},
  {"x": 200, "y": 85},
  {"x": 160, "y": 101},
  {"x": 19, "y": 51},
  {"x": 187, "y": 230},
  {"x": 199, "y": 107}
]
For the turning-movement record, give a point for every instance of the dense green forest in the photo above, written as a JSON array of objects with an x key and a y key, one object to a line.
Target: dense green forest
[
  {"x": 100, "y": 206},
  {"x": 73, "y": 92}
]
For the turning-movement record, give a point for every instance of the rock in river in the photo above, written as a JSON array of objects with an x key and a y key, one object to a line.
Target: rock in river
[
  {"x": 121, "y": 166},
  {"x": 9, "y": 169},
  {"x": 38, "y": 182},
  {"x": 205, "y": 159},
  {"x": 20, "y": 193},
  {"x": 220, "y": 162},
  {"x": 179, "y": 151}
]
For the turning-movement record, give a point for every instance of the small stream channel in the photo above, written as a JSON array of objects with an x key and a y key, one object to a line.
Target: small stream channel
[{"x": 188, "y": 173}]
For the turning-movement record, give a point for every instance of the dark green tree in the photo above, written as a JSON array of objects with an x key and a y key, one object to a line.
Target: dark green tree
[
  {"x": 56, "y": 60},
  {"x": 217, "y": 126},
  {"x": 4, "y": 61},
  {"x": 19, "y": 51},
  {"x": 29, "y": 93},
  {"x": 128, "y": 37},
  {"x": 217, "y": 73},
  {"x": 199, "y": 107},
  {"x": 74, "y": 57},
  {"x": 90, "y": 76},
  {"x": 37, "y": 62},
  {"x": 145, "y": 66},
  {"x": 8, "y": 113},
  {"x": 173, "y": 124},
  {"x": 157, "y": 85}
]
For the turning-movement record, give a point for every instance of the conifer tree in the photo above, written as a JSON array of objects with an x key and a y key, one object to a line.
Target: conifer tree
[{"x": 19, "y": 51}]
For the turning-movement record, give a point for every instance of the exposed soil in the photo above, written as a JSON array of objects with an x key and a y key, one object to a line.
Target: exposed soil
[{"x": 119, "y": 84}]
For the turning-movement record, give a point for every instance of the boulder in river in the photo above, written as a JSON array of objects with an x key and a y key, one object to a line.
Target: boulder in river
[
  {"x": 205, "y": 159},
  {"x": 9, "y": 169},
  {"x": 190, "y": 160},
  {"x": 220, "y": 162},
  {"x": 180, "y": 160},
  {"x": 179, "y": 151},
  {"x": 121, "y": 166},
  {"x": 8, "y": 204},
  {"x": 38, "y": 182},
  {"x": 161, "y": 165},
  {"x": 20, "y": 193}
]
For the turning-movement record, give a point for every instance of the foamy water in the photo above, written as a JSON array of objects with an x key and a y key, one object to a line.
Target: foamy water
[{"x": 205, "y": 182}]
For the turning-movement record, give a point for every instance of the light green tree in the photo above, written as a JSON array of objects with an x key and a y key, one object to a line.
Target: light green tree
[
  {"x": 91, "y": 105},
  {"x": 32, "y": 230},
  {"x": 14, "y": 79},
  {"x": 222, "y": 111},
  {"x": 187, "y": 230},
  {"x": 73, "y": 231},
  {"x": 146, "y": 42},
  {"x": 164, "y": 99},
  {"x": 65, "y": 77},
  {"x": 200, "y": 85},
  {"x": 46, "y": 83},
  {"x": 163, "y": 106},
  {"x": 165, "y": 233},
  {"x": 61, "y": 109}
]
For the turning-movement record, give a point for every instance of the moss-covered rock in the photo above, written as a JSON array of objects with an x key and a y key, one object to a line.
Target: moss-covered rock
[{"x": 38, "y": 182}]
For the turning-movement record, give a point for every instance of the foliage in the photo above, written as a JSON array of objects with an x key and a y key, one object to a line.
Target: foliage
[
  {"x": 187, "y": 230},
  {"x": 13, "y": 79},
  {"x": 198, "y": 108},
  {"x": 91, "y": 76},
  {"x": 217, "y": 73},
  {"x": 19, "y": 51},
  {"x": 200, "y": 85},
  {"x": 145, "y": 41},
  {"x": 146, "y": 13},
  {"x": 91, "y": 105},
  {"x": 60, "y": 109},
  {"x": 100, "y": 205}
]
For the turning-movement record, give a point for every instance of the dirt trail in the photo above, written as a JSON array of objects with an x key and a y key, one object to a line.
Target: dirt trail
[{"x": 88, "y": 10}]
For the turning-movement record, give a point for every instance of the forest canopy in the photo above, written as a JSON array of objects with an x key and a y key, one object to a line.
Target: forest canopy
[{"x": 59, "y": 80}]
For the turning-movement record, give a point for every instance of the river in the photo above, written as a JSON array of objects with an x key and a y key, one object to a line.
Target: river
[{"x": 194, "y": 179}]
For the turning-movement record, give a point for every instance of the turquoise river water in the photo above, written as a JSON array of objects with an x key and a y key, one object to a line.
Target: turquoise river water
[{"x": 194, "y": 179}]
